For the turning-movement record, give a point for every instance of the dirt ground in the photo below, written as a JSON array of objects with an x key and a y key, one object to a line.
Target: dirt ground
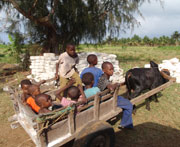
[
  {"x": 124, "y": 138},
  {"x": 14, "y": 137}
]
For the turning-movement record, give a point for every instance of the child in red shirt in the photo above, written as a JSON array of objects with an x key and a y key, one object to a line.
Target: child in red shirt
[{"x": 33, "y": 90}]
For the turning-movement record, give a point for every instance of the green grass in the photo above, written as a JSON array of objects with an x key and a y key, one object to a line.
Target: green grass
[
  {"x": 158, "y": 127},
  {"x": 4, "y": 57},
  {"x": 130, "y": 57},
  {"x": 169, "y": 47},
  {"x": 3, "y": 46}
]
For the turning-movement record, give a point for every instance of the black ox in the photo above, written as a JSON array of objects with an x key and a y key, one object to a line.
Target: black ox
[{"x": 140, "y": 79}]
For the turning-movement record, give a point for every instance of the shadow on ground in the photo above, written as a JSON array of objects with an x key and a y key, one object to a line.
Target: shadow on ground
[{"x": 148, "y": 135}]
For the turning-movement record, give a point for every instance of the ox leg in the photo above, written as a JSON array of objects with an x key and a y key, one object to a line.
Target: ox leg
[
  {"x": 148, "y": 100},
  {"x": 134, "y": 94},
  {"x": 129, "y": 94},
  {"x": 156, "y": 99},
  {"x": 155, "y": 95},
  {"x": 148, "y": 104}
]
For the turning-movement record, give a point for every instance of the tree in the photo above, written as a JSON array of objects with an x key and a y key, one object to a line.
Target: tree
[
  {"x": 136, "y": 40},
  {"x": 57, "y": 22},
  {"x": 176, "y": 36},
  {"x": 15, "y": 46},
  {"x": 155, "y": 41},
  {"x": 147, "y": 40}
]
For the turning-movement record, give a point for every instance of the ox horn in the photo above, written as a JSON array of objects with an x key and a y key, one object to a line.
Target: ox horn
[{"x": 165, "y": 75}]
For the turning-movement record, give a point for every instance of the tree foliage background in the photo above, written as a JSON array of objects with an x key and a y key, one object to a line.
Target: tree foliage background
[
  {"x": 174, "y": 40},
  {"x": 54, "y": 23}
]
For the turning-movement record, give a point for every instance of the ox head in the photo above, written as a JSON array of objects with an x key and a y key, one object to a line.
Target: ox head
[{"x": 153, "y": 64}]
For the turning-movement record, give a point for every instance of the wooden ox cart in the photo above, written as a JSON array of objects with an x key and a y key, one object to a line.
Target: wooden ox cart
[{"x": 86, "y": 126}]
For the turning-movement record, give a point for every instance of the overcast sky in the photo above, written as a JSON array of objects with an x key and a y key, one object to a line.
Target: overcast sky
[{"x": 157, "y": 21}]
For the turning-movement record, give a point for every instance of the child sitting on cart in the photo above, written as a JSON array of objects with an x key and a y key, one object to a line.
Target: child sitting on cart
[
  {"x": 33, "y": 90},
  {"x": 24, "y": 86},
  {"x": 123, "y": 103},
  {"x": 44, "y": 101},
  {"x": 88, "y": 81},
  {"x": 72, "y": 94},
  {"x": 66, "y": 67},
  {"x": 97, "y": 72}
]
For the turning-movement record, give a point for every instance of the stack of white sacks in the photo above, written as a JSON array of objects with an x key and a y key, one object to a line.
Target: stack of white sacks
[
  {"x": 173, "y": 65},
  {"x": 102, "y": 57},
  {"x": 44, "y": 67}
]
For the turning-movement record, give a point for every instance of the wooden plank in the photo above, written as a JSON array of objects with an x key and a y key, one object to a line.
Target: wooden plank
[
  {"x": 106, "y": 97},
  {"x": 152, "y": 92},
  {"x": 106, "y": 107},
  {"x": 96, "y": 107},
  {"x": 82, "y": 118},
  {"x": 91, "y": 103},
  {"x": 19, "y": 106},
  {"x": 71, "y": 124},
  {"x": 65, "y": 140},
  {"x": 104, "y": 92},
  {"x": 99, "y": 93},
  {"x": 58, "y": 131},
  {"x": 111, "y": 115},
  {"x": 115, "y": 96}
]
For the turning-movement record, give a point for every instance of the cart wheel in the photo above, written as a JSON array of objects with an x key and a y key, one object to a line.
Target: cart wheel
[{"x": 96, "y": 134}]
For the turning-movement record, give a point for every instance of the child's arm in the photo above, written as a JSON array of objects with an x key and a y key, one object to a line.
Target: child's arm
[
  {"x": 57, "y": 69},
  {"x": 23, "y": 98},
  {"x": 44, "y": 111},
  {"x": 83, "y": 98},
  {"x": 58, "y": 93},
  {"x": 112, "y": 87},
  {"x": 41, "y": 82}
]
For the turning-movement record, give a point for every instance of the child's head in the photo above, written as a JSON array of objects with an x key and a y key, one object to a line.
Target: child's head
[
  {"x": 25, "y": 84},
  {"x": 33, "y": 90},
  {"x": 43, "y": 100},
  {"x": 73, "y": 92},
  {"x": 108, "y": 68},
  {"x": 88, "y": 79},
  {"x": 70, "y": 49},
  {"x": 92, "y": 59}
]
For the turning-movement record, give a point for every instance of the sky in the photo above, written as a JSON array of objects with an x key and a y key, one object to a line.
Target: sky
[{"x": 157, "y": 20}]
